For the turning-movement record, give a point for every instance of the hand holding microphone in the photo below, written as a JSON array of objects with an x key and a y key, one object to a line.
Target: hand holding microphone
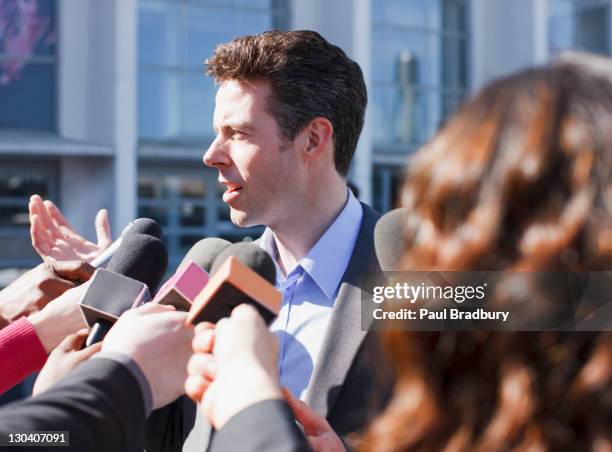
[
  {"x": 65, "y": 357},
  {"x": 243, "y": 371},
  {"x": 240, "y": 287},
  {"x": 133, "y": 273},
  {"x": 158, "y": 340}
]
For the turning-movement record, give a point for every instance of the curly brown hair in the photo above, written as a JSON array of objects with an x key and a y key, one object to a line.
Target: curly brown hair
[{"x": 518, "y": 179}]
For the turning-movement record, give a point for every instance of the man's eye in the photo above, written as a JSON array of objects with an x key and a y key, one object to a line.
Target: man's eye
[{"x": 238, "y": 134}]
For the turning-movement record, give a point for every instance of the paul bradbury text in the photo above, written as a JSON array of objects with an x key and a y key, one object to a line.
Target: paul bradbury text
[{"x": 442, "y": 314}]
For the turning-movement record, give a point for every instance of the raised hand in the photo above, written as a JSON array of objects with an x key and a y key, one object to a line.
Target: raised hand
[{"x": 54, "y": 239}]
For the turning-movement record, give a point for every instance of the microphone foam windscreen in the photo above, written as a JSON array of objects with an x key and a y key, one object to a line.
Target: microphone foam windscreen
[
  {"x": 144, "y": 226},
  {"x": 389, "y": 238},
  {"x": 205, "y": 252},
  {"x": 141, "y": 257},
  {"x": 250, "y": 255}
]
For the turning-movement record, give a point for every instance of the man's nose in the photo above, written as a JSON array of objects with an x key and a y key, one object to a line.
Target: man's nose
[{"x": 216, "y": 155}]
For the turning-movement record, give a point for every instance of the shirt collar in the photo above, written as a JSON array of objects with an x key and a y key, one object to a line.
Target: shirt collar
[{"x": 327, "y": 260}]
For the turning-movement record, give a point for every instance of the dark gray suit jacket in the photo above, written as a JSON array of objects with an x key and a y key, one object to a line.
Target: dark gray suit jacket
[
  {"x": 350, "y": 382},
  {"x": 247, "y": 433},
  {"x": 100, "y": 403}
]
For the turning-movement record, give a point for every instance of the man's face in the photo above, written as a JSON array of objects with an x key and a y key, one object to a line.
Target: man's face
[{"x": 259, "y": 171}]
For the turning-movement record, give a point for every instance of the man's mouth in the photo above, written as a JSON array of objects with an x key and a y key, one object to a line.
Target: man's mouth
[{"x": 231, "y": 192}]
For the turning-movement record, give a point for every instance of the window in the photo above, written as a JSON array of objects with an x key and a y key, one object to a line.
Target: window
[
  {"x": 187, "y": 203},
  {"x": 19, "y": 181},
  {"x": 419, "y": 55},
  {"x": 28, "y": 41},
  {"x": 386, "y": 188},
  {"x": 578, "y": 24},
  {"x": 176, "y": 100}
]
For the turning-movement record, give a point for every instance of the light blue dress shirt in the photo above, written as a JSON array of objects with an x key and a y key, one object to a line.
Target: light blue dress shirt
[{"x": 309, "y": 292}]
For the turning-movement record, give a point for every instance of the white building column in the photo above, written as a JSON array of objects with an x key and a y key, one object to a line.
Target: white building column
[
  {"x": 97, "y": 102},
  {"x": 125, "y": 112},
  {"x": 506, "y": 36},
  {"x": 347, "y": 24}
]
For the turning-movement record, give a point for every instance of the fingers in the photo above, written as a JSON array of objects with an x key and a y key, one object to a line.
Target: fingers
[
  {"x": 204, "y": 342},
  {"x": 88, "y": 352},
  {"x": 48, "y": 231},
  {"x": 38, "y": 207},
  {"x": 73, "y": 270},
  {"x": 246, "y": 312},
  {"x": 55, "y": 214},
  {"x": 202, "y": 364},
  {"x": 202, "y": 326},
  {"x": 220, "y": 327},
  {"x": 54, "y": 285},
  {"x": 196, "y": 386},
  {"x": 151, "y": 308},
  {"x": 103, "y": 230},
  {"x": 39, "y": 236},
  {"x": 312, "y": 422},
  {"x": 74, "y": 341}
]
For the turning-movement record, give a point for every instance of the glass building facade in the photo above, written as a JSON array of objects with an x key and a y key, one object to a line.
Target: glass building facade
[
  {"x": 28, "y": 90},
  {"x": 420, "y": 63},
  {"x": 578, "y": 25}
]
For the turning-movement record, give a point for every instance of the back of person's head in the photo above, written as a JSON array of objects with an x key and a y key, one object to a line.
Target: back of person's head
[
  {"x": 308, "y": 76},
  {"x": 519, "y": 179}
]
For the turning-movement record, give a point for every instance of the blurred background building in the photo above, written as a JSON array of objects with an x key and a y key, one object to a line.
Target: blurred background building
[{"x": 103, "y": 103}]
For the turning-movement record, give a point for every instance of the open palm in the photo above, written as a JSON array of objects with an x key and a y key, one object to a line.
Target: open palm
[{"x": 54, "y": 239}]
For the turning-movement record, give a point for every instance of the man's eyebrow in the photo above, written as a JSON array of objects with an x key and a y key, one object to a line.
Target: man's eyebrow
[{"x": 243, "y": 126}]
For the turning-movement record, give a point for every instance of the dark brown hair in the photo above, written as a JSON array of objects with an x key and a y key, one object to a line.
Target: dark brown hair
[
  {"x": 309, "y": 77},
  {"x": 518, "y": 179}
]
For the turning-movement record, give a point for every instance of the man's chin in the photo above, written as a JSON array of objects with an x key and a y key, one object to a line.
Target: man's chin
[{"x": 242, "y": 219}]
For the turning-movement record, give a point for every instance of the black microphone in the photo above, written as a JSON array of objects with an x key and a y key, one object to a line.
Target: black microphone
[
  {"x": 205, "y": 252},
  {"x": 242, "y": 273},
  {"x": 138, "y": 226},
  {"x": 390, "y": 239},
  {"x": 192, "y": 274},
  {"x": 133, "y": 273},
  {"x": 252, "y": 256},
  {"x": 141, "y": 257}
]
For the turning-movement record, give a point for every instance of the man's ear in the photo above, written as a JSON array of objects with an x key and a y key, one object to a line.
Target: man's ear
[{"x": 318, "y": 137}]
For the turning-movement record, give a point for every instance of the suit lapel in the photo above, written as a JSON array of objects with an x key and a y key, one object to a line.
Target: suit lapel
[{"x": 344, "y": 334}]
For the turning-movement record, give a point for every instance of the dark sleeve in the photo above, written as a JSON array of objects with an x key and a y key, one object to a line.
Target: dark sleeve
[
  {"x": 167, "y": 427},
  {"x": 100, "y": 403},
  {"x": 267, "y": 425}
]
